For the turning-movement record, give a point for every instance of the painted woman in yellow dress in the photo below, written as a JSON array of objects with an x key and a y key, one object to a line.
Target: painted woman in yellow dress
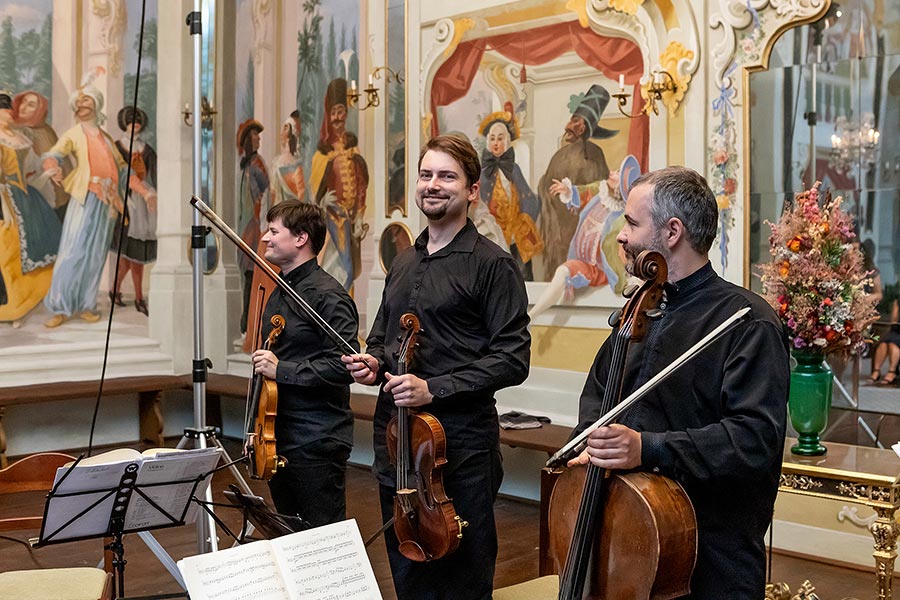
[{"x": 29, "y": 227}]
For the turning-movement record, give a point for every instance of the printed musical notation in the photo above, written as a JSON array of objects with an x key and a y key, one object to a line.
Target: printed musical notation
[{"x": 325, "y": 563}]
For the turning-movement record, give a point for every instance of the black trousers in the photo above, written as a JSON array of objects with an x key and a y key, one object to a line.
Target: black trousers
[
  {"x": 472, "y": 480},
  {"x": 312, "y": 485}
]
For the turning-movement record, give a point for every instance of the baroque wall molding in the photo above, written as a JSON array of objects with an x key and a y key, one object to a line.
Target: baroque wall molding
[
  {"x": 260, "y": 11},
  {"x": 113, "y": 17},
  {"x": 746, "y": 31}
]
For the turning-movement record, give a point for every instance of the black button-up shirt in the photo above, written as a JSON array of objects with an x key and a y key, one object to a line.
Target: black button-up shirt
[
  {"x": 313, "y": 383},
  {"x": 470, "y": 300},
  {"x": 717, "y": 425}
]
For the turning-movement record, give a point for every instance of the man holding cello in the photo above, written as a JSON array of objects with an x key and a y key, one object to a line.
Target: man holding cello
[
  {"x": 717, "y": 425},
  {"x": 314, "y": 423},
  {"x": 469, "y": 297}
]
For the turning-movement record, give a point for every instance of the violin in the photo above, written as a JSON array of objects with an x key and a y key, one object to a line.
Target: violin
[
  {"x": 262, "y": 408},
  {"x": 623, "y": 535},
  {"x": 425, "y": 521}
]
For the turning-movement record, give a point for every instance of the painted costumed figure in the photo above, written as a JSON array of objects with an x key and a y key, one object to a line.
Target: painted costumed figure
[
  {"x": 30, "y": 114},
  {"x": 96, "y": 187},
  {"x": 583, "y": 162},
  {"x": 286, "y": 183},
  {"x": 254, "y": 190},
  {"x": 339, "y": 178},
  {"x": 139, "y": 246},
  {"x": 595, "y": 257},
  {"x": 505, "y": 192},
  {"x": 29, "y": 227}
]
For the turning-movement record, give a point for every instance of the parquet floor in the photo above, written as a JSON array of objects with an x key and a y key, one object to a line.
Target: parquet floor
[{"x": 517, "y": 561}]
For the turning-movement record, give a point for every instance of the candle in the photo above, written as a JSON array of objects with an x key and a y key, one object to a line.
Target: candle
[
  {"x": 353, "y": 86},
  {"x": 658, "y": 77},
  {"x": 621, "y": 82},
  {"x": 371, "y": 81}
]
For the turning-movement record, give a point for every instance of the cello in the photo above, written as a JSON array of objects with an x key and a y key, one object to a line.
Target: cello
[
  {"x": 623, "y": 535},
  {"x": 262, "y": 408},
  {"x": 425, "y": 520}
]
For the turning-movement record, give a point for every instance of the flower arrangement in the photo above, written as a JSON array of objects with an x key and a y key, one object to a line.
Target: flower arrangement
[{"x": 816, "y": 280}]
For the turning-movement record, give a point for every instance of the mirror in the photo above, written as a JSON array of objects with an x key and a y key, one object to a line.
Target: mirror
[
  {"x": 828, "y": 108},
  {"x": 395, "y": 238}
]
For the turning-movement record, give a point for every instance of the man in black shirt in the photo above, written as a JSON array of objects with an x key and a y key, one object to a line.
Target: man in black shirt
[
  {"x": 717, "y": 425},
  {"x": 470, "y": 298},
  {"x": 314, "y": 425}
]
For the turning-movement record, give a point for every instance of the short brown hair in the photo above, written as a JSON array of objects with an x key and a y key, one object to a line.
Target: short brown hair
[
  {"x": 460, "y": 148},
  {"x": 301, "y": 217}
]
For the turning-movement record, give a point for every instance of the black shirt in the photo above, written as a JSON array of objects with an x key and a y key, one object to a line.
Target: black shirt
[
  {"x": 313, "y": 383},
  {"x": 470, "y": 300},
  {"x": 716, "y": 426}
]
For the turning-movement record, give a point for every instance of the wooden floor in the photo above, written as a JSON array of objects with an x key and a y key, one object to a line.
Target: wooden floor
[{"x": 517, "y": 561}]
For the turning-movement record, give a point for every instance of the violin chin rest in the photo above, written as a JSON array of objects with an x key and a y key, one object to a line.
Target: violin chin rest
[{"x": 413, "y": 551}]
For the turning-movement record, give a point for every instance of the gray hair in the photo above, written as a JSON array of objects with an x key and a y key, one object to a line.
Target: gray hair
[{"x": 683, "y": 193}]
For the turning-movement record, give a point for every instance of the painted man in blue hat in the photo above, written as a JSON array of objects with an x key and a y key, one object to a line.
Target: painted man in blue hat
[{"x": 582, "y": 161}]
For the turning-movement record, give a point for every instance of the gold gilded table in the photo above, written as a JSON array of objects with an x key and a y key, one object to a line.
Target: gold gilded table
[{"x": 867, "y": 476}]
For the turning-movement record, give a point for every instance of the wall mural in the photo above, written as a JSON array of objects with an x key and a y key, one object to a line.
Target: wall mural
[
  {"x": 538, "y": 188},
  {"x": 318, "y": 157},
  {"x": 61, "y": 199}
]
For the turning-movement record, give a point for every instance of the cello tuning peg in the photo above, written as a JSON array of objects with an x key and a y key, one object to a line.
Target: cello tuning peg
[
  {"x": 629, "y": 291},
  {"x": 654, "y": 313},
  {"x": 615, "y": 317}
]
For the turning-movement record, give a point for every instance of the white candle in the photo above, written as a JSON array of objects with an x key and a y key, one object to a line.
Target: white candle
[
  {"x": 353, "y": 86},
  {"x": 658, "y": 77},
  {"x": 621, "y": 82},
  {"x": 371, "y": 82}
]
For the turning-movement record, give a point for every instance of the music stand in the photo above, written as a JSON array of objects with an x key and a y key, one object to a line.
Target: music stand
[
  {"x": 264, "y": 520},
  {"x": 126, "y": 496}
]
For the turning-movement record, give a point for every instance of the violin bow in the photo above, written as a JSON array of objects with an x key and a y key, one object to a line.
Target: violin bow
[{"x": 308, "y": 310}]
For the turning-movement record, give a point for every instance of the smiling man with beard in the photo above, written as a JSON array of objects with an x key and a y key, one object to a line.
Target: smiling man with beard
[
  {"x": 470, "y": 298},
  {"x": 717, "y": 425}
]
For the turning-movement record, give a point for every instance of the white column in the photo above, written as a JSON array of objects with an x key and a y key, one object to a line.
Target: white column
[
  {"x": 265, "y": 98},
  {"x": 171, "y": 293},
  {"x": 66, "y": 60},
  {"x": 104, "y": 48}
]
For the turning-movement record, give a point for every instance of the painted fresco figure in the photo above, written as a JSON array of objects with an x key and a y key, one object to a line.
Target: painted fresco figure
[
  {"x": 29, "y": 227},
  {"x": 504, "y": 190},
  {"x": 30, "y": 114},
  {"x": 339, "y": 178},
  {"x": 595, "y": 258},
  {"x": 286, "y": 172},
  {"x": 286, "y": 183},
  {"x": 253, "y": 192},
  {"x": 96, "y": 187},
  {"x": 582, "y": 162},
  {"x": 139, "y": 247}
]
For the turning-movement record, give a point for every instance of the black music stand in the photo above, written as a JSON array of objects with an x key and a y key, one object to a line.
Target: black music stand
[
  {"x": 109, "y": 500},
  {"x": 267, "y": 522}
]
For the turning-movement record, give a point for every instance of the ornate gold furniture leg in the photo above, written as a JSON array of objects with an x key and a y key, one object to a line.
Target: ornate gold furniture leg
[{"x": 885, "y": 531}]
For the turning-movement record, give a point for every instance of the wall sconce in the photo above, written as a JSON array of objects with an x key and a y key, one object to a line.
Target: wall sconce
[
  {"x": 207, "y": 111},
  {"x": 372, "y": 98},
  {"x": 660, "y": 81}
]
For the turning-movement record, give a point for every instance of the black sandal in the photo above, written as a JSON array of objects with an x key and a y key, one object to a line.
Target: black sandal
[
  {"x": 116, "y": 299},
  {"x": 873, "y": 379},
  {"x": 889, "y": 379}
]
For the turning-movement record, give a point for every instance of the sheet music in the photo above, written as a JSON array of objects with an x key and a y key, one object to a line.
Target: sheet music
[
  {"x": 248, "y": 571},
  {"x": 166, "y": 467},
  {"x": 326, "y": 563}
]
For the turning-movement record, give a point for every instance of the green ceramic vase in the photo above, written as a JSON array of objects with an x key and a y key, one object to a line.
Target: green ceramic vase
[{"x": 809, "y": 401}]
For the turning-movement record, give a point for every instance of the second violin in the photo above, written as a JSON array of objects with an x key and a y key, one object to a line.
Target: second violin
[{"x": 425, "y": 520}]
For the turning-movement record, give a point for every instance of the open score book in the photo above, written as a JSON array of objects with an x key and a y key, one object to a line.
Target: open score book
[{"x": 325, "y": 563}]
